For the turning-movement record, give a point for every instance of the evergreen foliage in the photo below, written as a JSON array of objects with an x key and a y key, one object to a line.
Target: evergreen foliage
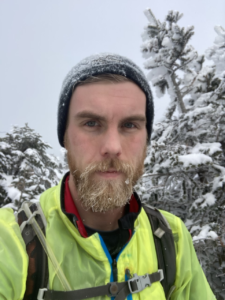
[
  {"x": 26, "y": 169},
  {"x": 185, "y": 166}
]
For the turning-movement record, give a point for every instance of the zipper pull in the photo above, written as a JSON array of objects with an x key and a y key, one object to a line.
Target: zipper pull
[{"x": 127, "y": 272}]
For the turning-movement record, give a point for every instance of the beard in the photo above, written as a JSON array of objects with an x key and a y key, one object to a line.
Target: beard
[{"x": 101, "y": 195}]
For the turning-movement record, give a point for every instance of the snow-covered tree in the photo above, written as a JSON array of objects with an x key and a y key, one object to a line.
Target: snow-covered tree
[
  {"x": 185, "y": 166},
  {"x": 26, "y": 169},
  {"x": 3, "y": 164}
]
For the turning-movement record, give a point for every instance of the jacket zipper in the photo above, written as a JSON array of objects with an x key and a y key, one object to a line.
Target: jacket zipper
[{"x": 114, "y": 269}]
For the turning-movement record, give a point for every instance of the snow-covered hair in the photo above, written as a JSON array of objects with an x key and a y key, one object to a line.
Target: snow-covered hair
[{"x": 105, "y": 63}]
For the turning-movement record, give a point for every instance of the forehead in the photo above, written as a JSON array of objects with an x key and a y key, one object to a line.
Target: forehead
[{"x": 123, "y": 97}]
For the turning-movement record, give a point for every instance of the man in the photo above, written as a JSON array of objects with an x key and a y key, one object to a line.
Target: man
[{"x": 96, "y": 226}]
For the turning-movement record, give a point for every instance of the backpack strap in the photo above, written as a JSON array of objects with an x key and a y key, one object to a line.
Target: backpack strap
[
  {"x": 119, "y": 290},
  {"x": 37, "y": 275},
  {"x": 165, "y": 247}
]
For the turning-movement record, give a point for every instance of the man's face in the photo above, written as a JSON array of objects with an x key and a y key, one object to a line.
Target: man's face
[{"x": 106, "y": 142}]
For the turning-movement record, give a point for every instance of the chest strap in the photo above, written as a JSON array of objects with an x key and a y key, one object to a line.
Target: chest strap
[{"x": 119, "y": 290}]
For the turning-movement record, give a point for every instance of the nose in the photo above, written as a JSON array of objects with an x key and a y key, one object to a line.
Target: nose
[{"x": 111, "y": 144}]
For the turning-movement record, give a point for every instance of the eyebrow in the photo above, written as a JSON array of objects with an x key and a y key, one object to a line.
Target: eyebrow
[
  {"x": 139, "y": 118},
  {"x": 88, "y": 114}
]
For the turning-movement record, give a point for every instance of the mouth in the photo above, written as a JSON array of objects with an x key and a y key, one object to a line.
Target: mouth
[{"x": 109, "y": 174}]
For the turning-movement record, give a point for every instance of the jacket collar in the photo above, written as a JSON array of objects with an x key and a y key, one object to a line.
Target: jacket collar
[{"x": 69, "y": 209}]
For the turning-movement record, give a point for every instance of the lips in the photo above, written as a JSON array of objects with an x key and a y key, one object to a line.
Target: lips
[{"x": 109, "y": 173}]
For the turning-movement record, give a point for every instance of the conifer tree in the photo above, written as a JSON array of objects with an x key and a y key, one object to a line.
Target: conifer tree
[
  {"x": 185, "y": 166},
  {"x": 27, "y": 169}
]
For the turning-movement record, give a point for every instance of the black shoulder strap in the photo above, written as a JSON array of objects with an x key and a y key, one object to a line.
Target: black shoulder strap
[
  {"x": 38, "y": 265},
  {"x": 165, "y": 248}
]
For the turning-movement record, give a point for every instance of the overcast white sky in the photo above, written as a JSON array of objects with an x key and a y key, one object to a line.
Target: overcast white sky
[{"x": 42, "y": 40}]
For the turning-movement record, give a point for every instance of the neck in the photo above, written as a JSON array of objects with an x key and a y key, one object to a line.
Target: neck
[{"x": 104, "y": 221}]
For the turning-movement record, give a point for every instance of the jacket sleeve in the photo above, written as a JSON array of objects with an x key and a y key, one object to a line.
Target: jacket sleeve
[
  {"x": 191, "y": 283},
  {"x": 13, "y": 258}
]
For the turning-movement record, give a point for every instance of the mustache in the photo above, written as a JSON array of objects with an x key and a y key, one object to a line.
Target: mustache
[{"x": 106, "y": 165}]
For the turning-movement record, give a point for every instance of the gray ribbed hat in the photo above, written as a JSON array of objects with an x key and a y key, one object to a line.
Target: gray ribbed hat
[{"x": 96, "y": 65}]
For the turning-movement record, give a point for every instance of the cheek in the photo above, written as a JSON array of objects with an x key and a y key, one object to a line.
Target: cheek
[
  {"x": 82, "y": 147},
  {"x": 76, "y": 139},
  {"x": 137, "y": 142},
  {"x": 136, "y": 148}
]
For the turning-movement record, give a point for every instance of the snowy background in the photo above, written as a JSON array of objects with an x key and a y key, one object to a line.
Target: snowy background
[{"x": 41, "y": 41}]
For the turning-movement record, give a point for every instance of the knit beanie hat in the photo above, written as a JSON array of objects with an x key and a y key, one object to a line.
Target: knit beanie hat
[{"x": 96, "y": 65}]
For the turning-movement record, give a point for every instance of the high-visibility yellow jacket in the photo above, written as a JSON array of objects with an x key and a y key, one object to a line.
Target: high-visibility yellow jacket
[{"x": 86, "y": 261}]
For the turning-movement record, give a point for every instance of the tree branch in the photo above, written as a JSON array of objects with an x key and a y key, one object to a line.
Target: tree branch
[{"x": 178, "y": 93}]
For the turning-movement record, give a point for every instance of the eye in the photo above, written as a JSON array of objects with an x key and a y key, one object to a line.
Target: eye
[
  {"x": 91, "y": 123},
  {"x": 129, "y": 125}
]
